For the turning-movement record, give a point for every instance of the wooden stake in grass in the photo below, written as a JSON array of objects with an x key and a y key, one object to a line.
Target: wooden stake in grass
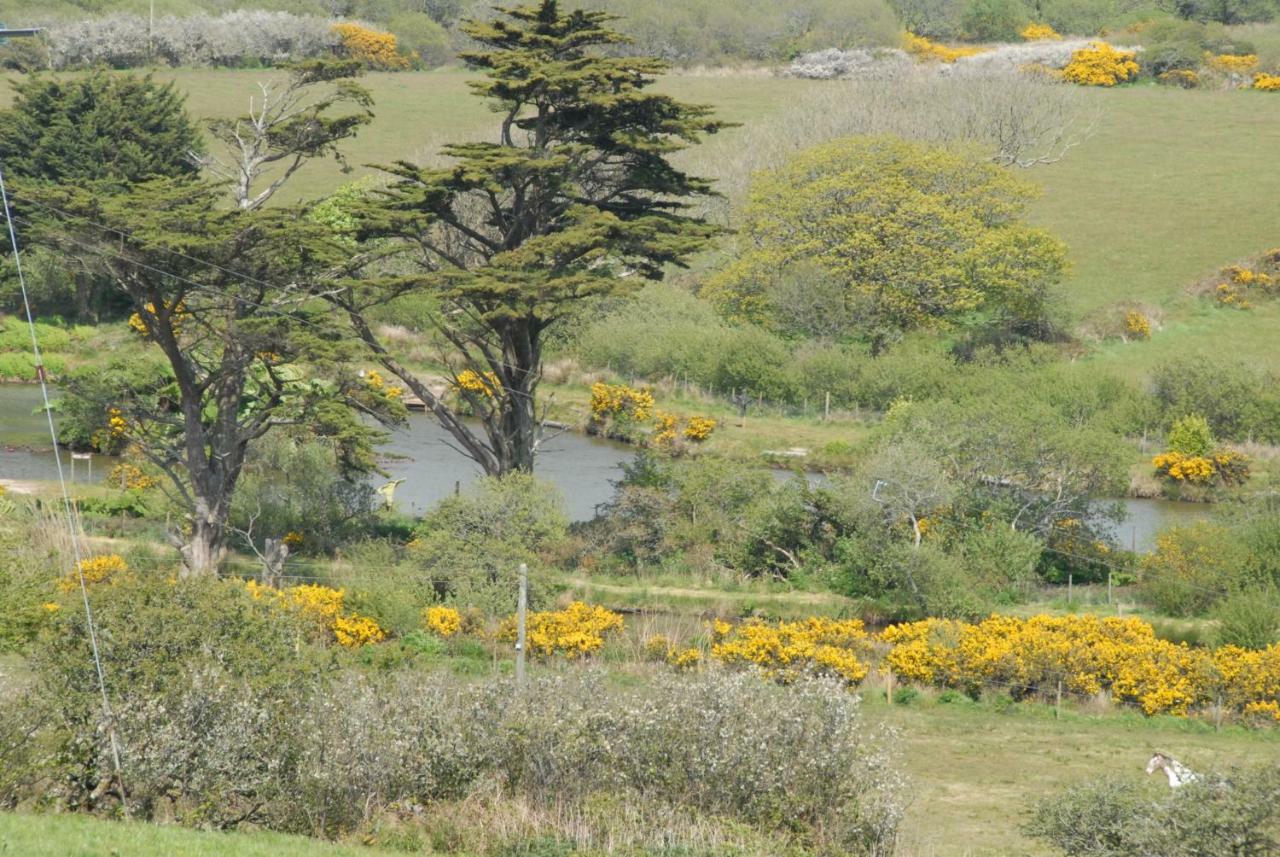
[{"x": 522, "y": 609}]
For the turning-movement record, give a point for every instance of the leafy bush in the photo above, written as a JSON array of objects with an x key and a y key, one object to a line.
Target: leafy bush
[
  {"x": 221, "y": 743},
  {"x": 1191, "y": 435},
  {"x": 1238, "y": 813},
  {"x": 1192, "y": 568},
  {"x": 468, "y": 548},
  {"x": 294, "y": 486},
  {"x": 1249, "y": 619},
  {"x": 993, "y": 20},
  {"x": 1100, "y": 65},
  {"x": 418, "y": 35}
]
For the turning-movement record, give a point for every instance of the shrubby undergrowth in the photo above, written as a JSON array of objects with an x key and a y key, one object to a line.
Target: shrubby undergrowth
[{"x": 227, "y": 716}]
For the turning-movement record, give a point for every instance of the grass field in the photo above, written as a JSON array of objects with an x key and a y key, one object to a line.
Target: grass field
[{"x": 1171, "y": 185}]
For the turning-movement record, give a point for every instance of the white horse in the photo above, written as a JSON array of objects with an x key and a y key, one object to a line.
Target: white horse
[{"x": 1178, "y": 773}]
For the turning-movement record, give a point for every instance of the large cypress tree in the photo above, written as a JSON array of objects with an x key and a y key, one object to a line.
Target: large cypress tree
[{"x": 575, "y": 199}]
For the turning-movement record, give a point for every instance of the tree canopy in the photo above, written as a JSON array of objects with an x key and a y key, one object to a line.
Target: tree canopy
[
  {"x": 115, "y": 129},
  {"x": 902, "y": 236}
]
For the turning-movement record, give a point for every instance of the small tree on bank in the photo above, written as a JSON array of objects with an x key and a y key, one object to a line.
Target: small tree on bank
[{"x": 576, "y": 200}]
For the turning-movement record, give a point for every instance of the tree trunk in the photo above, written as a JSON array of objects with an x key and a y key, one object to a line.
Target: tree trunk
[{"x": 205, "y": 548}]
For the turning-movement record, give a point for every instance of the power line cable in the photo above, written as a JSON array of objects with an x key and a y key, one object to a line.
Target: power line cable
[{"x": 42, "y": 377}]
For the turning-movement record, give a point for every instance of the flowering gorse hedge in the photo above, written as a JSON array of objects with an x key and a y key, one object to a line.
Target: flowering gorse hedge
[
  {"x": 1240, "y": 285},
  {"x": 1118, "y": 656},
  {"x": 95, "y": 569},
  {"x": 371, "y": 48},
  {"x": 1266, "y": 82},
  {"x": 1039, "y": 33},
  {"x": 924, "y": 49},
  {"x": 784, "y": 650}
]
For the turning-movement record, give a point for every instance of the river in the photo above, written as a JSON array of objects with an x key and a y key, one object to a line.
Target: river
[{"x": 582, "y": 467}]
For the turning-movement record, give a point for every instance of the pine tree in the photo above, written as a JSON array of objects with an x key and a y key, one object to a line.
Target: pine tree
[{"x": 577, "y": 199}]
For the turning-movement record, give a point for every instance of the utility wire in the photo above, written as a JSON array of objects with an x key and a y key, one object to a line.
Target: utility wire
[{"x": 42, "y": 377}]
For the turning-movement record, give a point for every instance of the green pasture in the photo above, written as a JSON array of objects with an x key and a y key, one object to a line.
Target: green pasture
[{"x": 1168, "y": 187}]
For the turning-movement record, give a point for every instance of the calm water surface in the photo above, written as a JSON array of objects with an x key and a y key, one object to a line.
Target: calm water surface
[{"x": 582, "y": 467}]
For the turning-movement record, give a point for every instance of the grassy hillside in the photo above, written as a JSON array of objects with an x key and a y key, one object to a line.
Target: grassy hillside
[{"x": 1171, "y": 185}]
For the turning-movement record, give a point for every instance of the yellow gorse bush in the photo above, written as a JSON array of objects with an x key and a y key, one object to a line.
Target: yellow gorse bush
[
  {"x": 924, "y": 49},
  {"x": 1039, "y": 33},
  {"x": 374, "y": 381},
  {"x": 613, "y": 401},
  {"x": 1266, "y": 82},
  {"x": 1100, "y": 64},
  {"x": 785, "y": 649},
  {"x": 1089, "y": 655},
  {"x": 372, "y": 48},
  {"x": 95, "y": 569},
  {"x": 1183, "y": 77},
  {"x": 324, "y": 606},
  {"x": 1241, "y": 64},
  {"x": 576, "y": 631},
  {"x": 1227, "y": 467},
  {"x": 444, "y": 621},
  {"x": 1137, "y": 325},
  {"x": 129, "y": 477},
  {"x": 177, "y": 314},
  {"x": 699, "y": 429},
  {"x": 486, "y": 385},
  {"x": 1240, "y": 283}
]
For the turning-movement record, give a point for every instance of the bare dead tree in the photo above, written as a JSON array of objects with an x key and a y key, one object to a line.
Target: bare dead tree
[{"x": 290, "y": 122}]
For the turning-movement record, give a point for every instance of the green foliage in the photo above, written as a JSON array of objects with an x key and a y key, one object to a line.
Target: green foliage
[
  {"x": 1249, "y": 618},
  {"x": 1193, "y": 568},
  {"x": 994, "y": 20},
  {"x": 1234, "y": 813},
  {"x": 918, "y": 236},
  {"x": 1191, "y": 435},
  {"x": 752, "y": 363},
  {"x": 422, "y": 38},
  {"x": 1001, "y": 559},
  {"x": 719, "y": 31},
  {"x": 1239, "y": 401},
  {"x": 111, "y": 129},
  {"x": 661, "y": 330},
  {"x": 470, "y": 546},
  {"x": 296, "y": 483}
]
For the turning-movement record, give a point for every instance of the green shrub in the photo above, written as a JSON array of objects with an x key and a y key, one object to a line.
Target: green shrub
[
  {"x": 1249, "y": 618},
  {"x": 993, "y": 20},
  {"x": 752, "y": 362},
  {"x": 1191, "y": 436},
  {"x": 1234, "y": 814},
  {"x": 469, "y": 547},
  {"x": 422, "y": 38},
  {"x": 1192, "y": 569}
]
